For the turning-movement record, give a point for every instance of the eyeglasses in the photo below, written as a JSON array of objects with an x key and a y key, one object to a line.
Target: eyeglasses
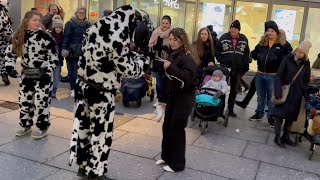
[{"x": 81, "y": 12}]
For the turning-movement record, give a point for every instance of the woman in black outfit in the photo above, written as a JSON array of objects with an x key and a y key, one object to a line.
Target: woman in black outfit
[{"x": 179, "y": 94}]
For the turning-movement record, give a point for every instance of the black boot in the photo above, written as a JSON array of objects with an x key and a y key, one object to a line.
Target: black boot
[
  {"x": 278, "y": 141},
  {"x": 231, "y": 113},
  {"x": 5, "y": 79},
  {"x": 286, "y": 139},
  {"x": 241, "y": 104}
]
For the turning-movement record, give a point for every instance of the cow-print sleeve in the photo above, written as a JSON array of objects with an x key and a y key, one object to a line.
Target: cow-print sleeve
[
  {"x": 50, "y": 46},
  {"x": 5, "y": 25},
  {"x": 131, "y": 65},
  {"x": 10, "y": 59}
]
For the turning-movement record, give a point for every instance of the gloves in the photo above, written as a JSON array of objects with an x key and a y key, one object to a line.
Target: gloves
[
  {"x": 64, "y": 53},
  {"x": 13, "y": 73},
  {"x": 217, "y": 95}
]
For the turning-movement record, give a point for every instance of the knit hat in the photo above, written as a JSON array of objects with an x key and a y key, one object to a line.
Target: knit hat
[
  {"x": 57, "y": 23},
  {"x": 236, "y": 24},
  {"x": 218, "y": 73},
  {"x": 271, "y": 25},
  {"x": 305, "y": 47},
  {"x": 81, "y": 8}
]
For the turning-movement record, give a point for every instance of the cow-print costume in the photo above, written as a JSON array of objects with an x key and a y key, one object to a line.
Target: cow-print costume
[
  {"x": 39, "y": 51},
  {"x": 5, "y": 35},
  {"x": 106, "y": 58}
]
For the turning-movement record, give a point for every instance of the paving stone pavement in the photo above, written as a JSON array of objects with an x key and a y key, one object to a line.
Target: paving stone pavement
[{"x": 243, "y": 150}]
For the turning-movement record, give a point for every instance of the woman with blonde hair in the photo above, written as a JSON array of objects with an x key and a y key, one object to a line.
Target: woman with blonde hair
[
  {"x": 179, "y": 94},
  {"x": 204, "y": 48},
  {"x": 38, "y": 60}
]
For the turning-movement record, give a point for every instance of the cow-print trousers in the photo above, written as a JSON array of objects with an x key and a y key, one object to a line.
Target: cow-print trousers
[
  {"x": 34, "y": 102},
  {"x": 92, "y": 129},
  {"x": 2, "y": 58}
]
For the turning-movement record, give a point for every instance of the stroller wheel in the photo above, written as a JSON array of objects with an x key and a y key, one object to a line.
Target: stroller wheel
[
  {"x": 125, "y": 103},
  {"x": 203, "y": 130},
  {"x": 139, "y": 102},
  {"x": 152, "y": 95},
  {"x": 296, "y": 139},
  {"x": 226, "y": 118}
]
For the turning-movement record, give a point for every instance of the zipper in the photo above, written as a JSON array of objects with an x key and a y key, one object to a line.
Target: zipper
[{"x": 265, "y": 61}]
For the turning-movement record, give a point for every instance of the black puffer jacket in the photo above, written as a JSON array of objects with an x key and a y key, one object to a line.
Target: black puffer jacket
[
  {"x": 207, "y": 55},
  {"x": 183, "y": 67},
  {"x": 269, "y": 59},
  {"x": 236, "y": 58},
  {"x": 287, "y": 70}
]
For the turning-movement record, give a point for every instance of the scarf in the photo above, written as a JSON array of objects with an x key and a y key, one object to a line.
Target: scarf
[
  {"x": 79, "y": 22},
  {"x": 162, "y": 34}
]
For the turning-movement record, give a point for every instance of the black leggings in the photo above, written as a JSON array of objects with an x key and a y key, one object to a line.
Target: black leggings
[{"x": 286, "y": 126}]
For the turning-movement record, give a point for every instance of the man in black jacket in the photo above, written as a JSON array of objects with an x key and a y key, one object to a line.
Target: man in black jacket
[{"x": 233, "y": 50}]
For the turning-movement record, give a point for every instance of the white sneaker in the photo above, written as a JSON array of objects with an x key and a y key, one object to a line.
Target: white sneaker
[
  {"x": 39, "y": 134},
  {"x": 160, "y": 161},
  {"x": 23, "y": 131},
  {"x": 168, "y": 169},
  {"x": 155, "y": 104},
  {"x": 160, "y": 113},
  {"x": 72, "y": 93}
]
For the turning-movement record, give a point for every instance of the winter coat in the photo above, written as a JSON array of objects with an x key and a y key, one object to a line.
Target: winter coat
[
  {"x": 46, "y": 20},
  {"x": 39, "y": 52},
  {"x": 58, "y": 38},
  {"x": 73, "y": 36},
  {"x": 236, "y": 57},
  {"x": 184, "y": 68},
  {"x": 142, "y": 36},
  {"x": 269, "y": 59},
  {"x": 207, "y": 56},
  {"x": 287, "y": 70},
  {"x": 316, "y": 63}
]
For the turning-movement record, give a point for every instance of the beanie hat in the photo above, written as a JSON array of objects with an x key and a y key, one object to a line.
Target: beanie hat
[
  {"x": 81, "y": 8},
  {"x": 218, "y": 73},
  {"x": 236, "y": 24},
  {"x": 271, "y": 25},
  {"x": 305, "y": 46},
  {"x": 107, "y": 12},
  {"x": 57, "y": 23}
]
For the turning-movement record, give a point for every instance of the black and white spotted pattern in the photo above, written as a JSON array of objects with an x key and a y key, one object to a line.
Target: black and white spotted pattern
[{"x": 5, "y": 34}]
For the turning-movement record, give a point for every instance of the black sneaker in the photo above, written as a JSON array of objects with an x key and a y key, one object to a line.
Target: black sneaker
[
  {"x": 256, "y": 116},
  {"x": 232, "y": 114},
  {"x": 271, "y": 122}
]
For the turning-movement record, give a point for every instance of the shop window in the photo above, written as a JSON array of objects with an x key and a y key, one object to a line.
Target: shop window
[
  {"x": 42, "y": 5},
  {"x": 216, "y": 13},
  {"x": 96, "y": 8},
  {"x": 312, "y": 33}
]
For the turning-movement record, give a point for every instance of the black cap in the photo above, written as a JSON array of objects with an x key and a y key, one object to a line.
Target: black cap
[
  {"x": 236, "y": 24},
  {"x": 271, "y": 25}
]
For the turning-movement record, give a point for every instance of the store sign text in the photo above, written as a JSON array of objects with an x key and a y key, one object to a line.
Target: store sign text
[{"x": 169, "y": 3}]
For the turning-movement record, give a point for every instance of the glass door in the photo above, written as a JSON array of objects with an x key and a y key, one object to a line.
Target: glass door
[
  {"x": 289, "y": 17},
  {"x": 312, "y": 31},
  {"x": 252, "y": 16}
]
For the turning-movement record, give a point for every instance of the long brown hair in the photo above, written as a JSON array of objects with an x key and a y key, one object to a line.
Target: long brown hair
[
  {"x": 199, "y": 43},
  {"x": 181, "y": 35},
  {"x": 18, "y": 38}
]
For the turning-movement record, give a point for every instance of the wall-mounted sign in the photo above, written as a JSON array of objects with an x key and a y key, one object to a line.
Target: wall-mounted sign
[
  {"x": 286, "y": 20},
  {"x": 213, "y": 14},
  {"x": 169, "y": 3}
]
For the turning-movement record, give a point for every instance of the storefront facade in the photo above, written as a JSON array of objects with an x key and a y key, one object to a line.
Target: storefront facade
[{"x": 300, "y": 19}]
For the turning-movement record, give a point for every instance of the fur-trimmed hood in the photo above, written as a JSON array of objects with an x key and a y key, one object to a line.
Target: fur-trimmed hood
[{"x": 282, "y": 39}]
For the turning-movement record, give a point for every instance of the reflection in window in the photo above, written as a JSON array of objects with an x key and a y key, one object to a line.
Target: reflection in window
[
  {"x": 216, "y": 13},
  {"x": 312, "y": 33},
  {"x": 289, "y": 18}
]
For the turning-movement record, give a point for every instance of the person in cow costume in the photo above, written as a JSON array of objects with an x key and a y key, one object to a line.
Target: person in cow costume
[
  {"x": 5, "y": 35},
  {"x": 106, "y": 59}
]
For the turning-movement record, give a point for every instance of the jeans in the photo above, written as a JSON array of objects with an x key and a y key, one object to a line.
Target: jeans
[
  {"x": 56, "y": 79},
  {"x": 264, "y": 87},
  {"x": 72, "y": 65},
  {"x": 234, "y": 82},
  {"x": 159, "y": 85}
]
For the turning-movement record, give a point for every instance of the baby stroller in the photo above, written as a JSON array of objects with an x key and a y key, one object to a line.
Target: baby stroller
[
  {"x": 314, "y": 140},
  {"x": 135, "y": 89},
  {"x": 206, "y": 112}
]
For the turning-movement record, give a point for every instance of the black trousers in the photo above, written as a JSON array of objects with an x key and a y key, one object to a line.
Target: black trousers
[
  {"x": 173, "y": 129},
  {"x": 234, "y": 82},
  {"x": 251, "y": 92},
  {"x": 278, "y": 124}
]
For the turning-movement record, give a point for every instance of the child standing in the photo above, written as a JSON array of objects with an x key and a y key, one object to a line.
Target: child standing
[{"x": 57, "y": 34}]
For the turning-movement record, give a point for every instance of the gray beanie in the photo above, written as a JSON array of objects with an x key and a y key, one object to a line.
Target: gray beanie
[
  {"x": 57, "y": 23},
  {"x": 218, "y": 73},
  {"x": 81, "y": 8}
]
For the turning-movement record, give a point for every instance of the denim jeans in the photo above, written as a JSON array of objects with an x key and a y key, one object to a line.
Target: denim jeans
[
  {"x": 264, "y": 86},
  {"x": 56, "y": 79},
  {"x": 159, "y": 85},
  {"x": 72, "y": 65}
]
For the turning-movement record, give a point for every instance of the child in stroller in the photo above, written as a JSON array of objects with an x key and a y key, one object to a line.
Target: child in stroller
[{"x": 210, "y": 102}]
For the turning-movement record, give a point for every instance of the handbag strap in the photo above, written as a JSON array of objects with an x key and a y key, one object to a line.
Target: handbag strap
[{"x": 294, "y": 78}]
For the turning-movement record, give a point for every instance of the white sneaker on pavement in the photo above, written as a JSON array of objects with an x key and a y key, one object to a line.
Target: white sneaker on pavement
[
  {"x": 38, "y": 134},
  {"x": 23, "y": 131},
  {"x": 168, "y": 169},
  {"x": 72, "y": 93},
  {"x": 160, "y": 113},
  {"x": 160, "y": 161},
  {"x": 155, "y": 104}
]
